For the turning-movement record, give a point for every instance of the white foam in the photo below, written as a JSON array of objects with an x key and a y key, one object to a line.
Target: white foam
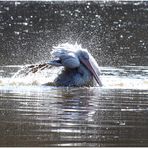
[
  {"x": 112, "y": 82},
  {"x": 37, "y": 78},
  {"x": 108, "y": 82},
  {"x": 110, "y": 78}
]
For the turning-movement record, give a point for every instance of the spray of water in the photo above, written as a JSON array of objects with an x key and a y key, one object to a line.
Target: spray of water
[
  {"x": 112, "y": 78},
  {"x": 24, "y": 76}
]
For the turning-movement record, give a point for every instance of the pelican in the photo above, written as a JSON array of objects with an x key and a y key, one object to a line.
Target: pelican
[{"x": 79, "y": 66}]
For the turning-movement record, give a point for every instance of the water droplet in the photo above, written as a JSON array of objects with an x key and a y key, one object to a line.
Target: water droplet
[
  {"x": 122, "y": 123},
  {"x": 121, "y": 36},
  {"x": 16, "y": 32},
  {"x": 25, "y": 23}
]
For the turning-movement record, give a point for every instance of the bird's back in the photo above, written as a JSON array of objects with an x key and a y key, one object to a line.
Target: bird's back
[{"x": 75, "y": 77}]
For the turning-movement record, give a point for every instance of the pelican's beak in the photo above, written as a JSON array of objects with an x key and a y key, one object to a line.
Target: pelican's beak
[{"x": 91, "y": 68}]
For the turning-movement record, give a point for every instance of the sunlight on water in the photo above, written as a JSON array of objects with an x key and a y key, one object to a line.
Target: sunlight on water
[
  {"x": 35, "y": 115},
  {"x": 125, "y": 83},
  {"x": 112, "y": 78}
]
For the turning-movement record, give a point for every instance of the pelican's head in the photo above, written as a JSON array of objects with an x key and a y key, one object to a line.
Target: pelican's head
[{"x": 71, "y": 56}]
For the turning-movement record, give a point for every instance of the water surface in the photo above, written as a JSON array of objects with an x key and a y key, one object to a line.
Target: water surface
[
  {"x": 115, "y": 33},
  {"x": 114, "y": 115}
]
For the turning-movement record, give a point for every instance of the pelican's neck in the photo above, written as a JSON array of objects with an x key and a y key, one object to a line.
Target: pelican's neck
[{"x": 80, "y": 76}]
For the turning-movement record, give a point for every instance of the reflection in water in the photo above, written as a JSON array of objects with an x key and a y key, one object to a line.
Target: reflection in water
[{"x": 52, "y": 116}]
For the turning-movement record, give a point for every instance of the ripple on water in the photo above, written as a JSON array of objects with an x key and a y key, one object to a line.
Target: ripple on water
[{"x": 35, "y": 115}]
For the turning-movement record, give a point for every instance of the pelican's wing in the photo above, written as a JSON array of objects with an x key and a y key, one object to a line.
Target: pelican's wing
[
  {"x": 66, "y": 58},
  {"x": 70, "y": 60}
]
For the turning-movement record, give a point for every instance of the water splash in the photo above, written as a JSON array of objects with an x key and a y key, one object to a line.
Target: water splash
[
  {"x": 24, "y": 77},
  {"x": 113, "y": 78}
]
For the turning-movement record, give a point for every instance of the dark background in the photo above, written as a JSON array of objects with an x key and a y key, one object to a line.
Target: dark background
[{"x": 115, "y": 33}]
